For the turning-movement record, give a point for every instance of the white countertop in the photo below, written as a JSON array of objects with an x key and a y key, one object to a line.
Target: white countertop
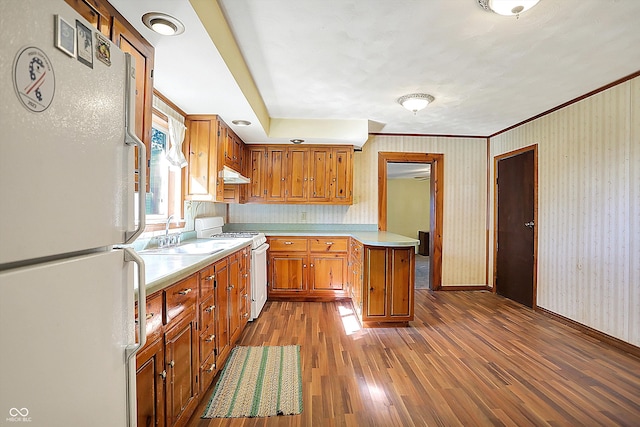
[{"x": 370, "y": 238}]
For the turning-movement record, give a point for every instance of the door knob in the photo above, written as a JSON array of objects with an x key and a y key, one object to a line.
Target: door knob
[{"x": 529, "y": 224}]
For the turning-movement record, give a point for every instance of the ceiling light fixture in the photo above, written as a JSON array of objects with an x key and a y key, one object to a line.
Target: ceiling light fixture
[
  {"x": 415, "y": 101},
  {"x": 507, "y": 7},
  {"x": 297, "y": 141},
  {"x": 163, "y": 24},
  {"x": 241, "y": 122}
]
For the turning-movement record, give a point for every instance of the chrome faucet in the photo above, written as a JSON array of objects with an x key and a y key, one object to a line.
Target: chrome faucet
[{"x": 166, "y": 228}]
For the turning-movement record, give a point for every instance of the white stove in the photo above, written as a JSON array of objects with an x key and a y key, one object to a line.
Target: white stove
[{"x": 211, "y": 228}]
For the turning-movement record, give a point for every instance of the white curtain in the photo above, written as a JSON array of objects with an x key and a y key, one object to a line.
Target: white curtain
[{"x": 176, "y": 137}]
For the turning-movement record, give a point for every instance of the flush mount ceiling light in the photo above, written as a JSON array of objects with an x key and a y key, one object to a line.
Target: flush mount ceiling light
[
  {"x": 415, "y": 101},
  {"x": 297, "y": 141},
  {"x": 163, "y": 24},
  {"x": 241, "y": 122},
  {"x": 507, "y": 7}
]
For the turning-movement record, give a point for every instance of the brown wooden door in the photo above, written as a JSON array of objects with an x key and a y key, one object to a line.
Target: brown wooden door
[
  {"x": 198, "y": 145},
  {"x": 181, "y": 362},
  {"x": 256, "y": 173},
  {"x": 276, "y": 174},
  {"x": 222, "y": 309},
  {"x": 319, "y": 174},
  {"x": 287, "y": 272},
  {"x": 401, "y": 286},
  {"x": 328, "y": 272},
  {"x": 143, "y": 54},
  {"x": 150, "y": 375},
  {"x": 376, "y": 282},
  {"x": 342, "y": 173},
  {"x": 297, "y": 167},
  {"x": 515, "y": 260},
  {"x": 234, "y": 296}
]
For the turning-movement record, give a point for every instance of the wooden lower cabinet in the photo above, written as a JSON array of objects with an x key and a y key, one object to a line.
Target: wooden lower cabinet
[
  {"x": 189, "y": 326},
  {"x": 181, "y": 363},
  {"x": 307, "y": 267},
  {"x": 388, "y": 284},
  {"x": 150, "y": 379}
]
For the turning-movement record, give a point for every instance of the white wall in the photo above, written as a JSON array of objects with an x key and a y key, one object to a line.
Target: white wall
[
  {"x": 465, "y": 192},
  {"x": 588, "y": 209}
]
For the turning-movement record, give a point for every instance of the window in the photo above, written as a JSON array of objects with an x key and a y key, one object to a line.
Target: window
[{"x": 165, "y": 182}]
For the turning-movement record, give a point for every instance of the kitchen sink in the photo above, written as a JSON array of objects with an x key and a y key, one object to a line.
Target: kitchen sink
[{"x": 208, "y": 247}]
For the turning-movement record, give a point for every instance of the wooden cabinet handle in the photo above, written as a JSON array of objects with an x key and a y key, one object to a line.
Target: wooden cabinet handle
[
  {"x": 212, "y": 367},
  {"x": 230, "y": 287},
  {"x": 184, "y": 291},
  {"x": 163, "y": 374},
  {"x": 288, "y": 243},
  {"x": 246, "y": 315},
  {"x": 210, "y": 308},
  {"x": 150, "y": 315},
  {"x": 172, "y": 363},
  {"x": 211, "y": 338},
  {"x": 329, "y": 243},
  {"x": 209, "y": 278}
]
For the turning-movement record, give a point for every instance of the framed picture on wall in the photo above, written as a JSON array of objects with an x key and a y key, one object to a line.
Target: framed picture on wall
[
  {"x": 65, "y": 37},
  {"x": 85, "y": 44}
]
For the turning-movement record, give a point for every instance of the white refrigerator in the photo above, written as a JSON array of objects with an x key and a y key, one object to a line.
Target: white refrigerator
[{"x": 67, "y": 205}]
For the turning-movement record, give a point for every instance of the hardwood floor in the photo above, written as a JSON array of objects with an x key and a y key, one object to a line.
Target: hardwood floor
[{"x": 470, "y": 358}]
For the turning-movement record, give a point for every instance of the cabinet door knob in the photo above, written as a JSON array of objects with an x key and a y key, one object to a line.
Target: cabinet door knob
[
  {"x": 288, "y": 243},
  {"x": 150, "y": 315},
  {"x": 230, "y": 287},
  {"x": 312, "y": 265},
  {"x": 172, "y": 363},
  {"x": 246, "y": 315},
  {"x": 210, "y": 308},
  {"x": 163, "y": 374},
  {"x": 304, "y": 265},
  {"x": 209, "y": 278},
  {"x": 329, "y": 243},
  {"x": 184, "y": 291},
  {"x": 212, "y": 367},
  {"x": 210, "y": 338}
]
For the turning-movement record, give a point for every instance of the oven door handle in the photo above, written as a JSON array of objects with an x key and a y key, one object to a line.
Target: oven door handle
[{"x": 261, "y": 249}]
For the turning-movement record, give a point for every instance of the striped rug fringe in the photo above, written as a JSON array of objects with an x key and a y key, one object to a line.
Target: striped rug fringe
[{"x": 258, "y": 382}]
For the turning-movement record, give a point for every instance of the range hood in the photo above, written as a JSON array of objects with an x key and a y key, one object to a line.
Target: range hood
[{"x": 231, "y": 176}]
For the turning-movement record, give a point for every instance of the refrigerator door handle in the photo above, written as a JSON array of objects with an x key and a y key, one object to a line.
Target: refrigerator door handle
[
  {"x": 132, "y": 139},
  {"x": 131, "y": 255}
]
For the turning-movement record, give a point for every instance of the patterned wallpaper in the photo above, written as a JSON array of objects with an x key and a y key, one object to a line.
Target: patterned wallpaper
[
  {"x": 588, "y": 209},
  {"x": 464, "y": 235}
]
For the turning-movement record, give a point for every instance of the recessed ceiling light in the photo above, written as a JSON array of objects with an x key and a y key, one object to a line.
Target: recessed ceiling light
[
  {"x": 297, "y": 141},
  {"x": 241, "y": 122},
  {"x": 163, "y": 24}
]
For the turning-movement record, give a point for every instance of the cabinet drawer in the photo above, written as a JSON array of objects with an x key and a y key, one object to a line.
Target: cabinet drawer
[
  {"x": 207, "y": 372},
  {"x": 328, "y": 244},
  {"x": 207, "y": 277},
  {"x": 294, "y": 244},
  {"x": 207, "y": 342},
  {"x": 180, "y": 297},
  {"x": 153, "y": 316},
  {"x": 207, "y": 312}
]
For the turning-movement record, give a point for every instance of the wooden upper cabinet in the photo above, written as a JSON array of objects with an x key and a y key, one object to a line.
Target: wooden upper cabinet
[
  {"x": 109, "y": 22},
  {"x": 96, "y": 13},
  {"x": 276, "y": 173},
  {"x": 342, "y": 174},
  {"x": 201, "y": 148},
  {"x": 319, "y": 174},
  {"x": 198, "y": 139},
  {"x": 256, "y": 162},
  {"x": 297, "y": 169},
  {"x": 295, "y": 174}
]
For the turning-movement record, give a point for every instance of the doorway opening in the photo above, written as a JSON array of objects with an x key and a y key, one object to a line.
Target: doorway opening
[
  {"x": 515, "y": 240},
  {"x": 390, "y": 164}
]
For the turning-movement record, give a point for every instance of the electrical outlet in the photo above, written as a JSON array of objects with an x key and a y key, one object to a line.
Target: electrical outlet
[{"x": 303, "y": 216}]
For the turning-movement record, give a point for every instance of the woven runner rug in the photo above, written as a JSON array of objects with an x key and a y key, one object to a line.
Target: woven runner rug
[{"x": 258, "y": 382}]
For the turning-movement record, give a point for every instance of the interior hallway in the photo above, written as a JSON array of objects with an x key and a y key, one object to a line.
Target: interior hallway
[{"x": 469, "y": 358}]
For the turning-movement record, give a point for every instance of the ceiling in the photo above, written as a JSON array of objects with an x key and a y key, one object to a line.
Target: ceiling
[{"x": 331, "y": 70}]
